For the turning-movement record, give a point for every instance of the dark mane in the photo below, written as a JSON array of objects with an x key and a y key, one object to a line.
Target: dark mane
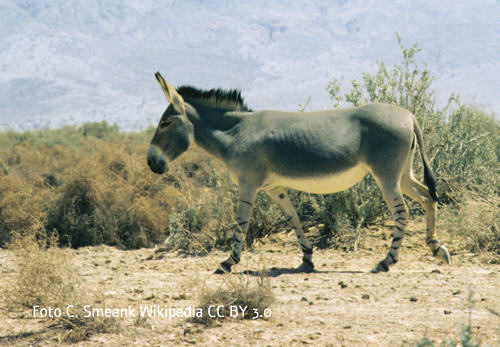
[{"x": 221, "y": 98}]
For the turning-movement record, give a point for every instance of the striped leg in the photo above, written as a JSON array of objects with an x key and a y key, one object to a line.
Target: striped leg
[
  {"x": 395, "y": 201},
  {"x": 420, "y": 194},
  {"x": 247, "y": 199},
  {"x": 280, "y": 196}
]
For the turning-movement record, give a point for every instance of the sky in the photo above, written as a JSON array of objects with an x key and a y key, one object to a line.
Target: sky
[{"x": 69, "y": 62}]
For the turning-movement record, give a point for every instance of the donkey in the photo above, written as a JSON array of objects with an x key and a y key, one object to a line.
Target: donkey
[{"x": 317, "y": 152}]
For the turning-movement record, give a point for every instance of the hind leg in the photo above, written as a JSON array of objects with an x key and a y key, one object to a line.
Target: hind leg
[
  {"x": 420, "y": 194},
  {"x": 394, "y": 199},
  {"x": 280, "y": 196}
]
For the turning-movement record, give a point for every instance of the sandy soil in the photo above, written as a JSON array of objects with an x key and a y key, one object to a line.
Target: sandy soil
[{"x": 339, "y": 305}]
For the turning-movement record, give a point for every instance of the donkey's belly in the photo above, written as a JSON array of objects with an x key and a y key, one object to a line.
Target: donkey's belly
[{"x": 324, "y": 184}]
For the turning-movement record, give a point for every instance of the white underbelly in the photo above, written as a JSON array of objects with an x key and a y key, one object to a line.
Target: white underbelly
[{"x": 320, "y": 184}]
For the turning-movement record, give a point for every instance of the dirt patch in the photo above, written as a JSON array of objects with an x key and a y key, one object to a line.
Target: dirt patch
[{"x": 340, "y": 304}]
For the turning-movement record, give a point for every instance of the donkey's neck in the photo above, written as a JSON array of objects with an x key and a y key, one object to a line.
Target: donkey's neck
[{"x": 210, "y": 129}]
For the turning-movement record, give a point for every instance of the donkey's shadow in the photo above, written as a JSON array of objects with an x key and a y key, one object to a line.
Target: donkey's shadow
[{"x": 278, "y": 271}]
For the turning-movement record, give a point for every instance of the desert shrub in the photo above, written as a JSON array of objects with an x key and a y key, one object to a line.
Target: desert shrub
[
  {"x": 69, "y": 136},
  {"x": 100, "y": 130},
  {"x": 466, "y": 157},
  {"x": 462, "y": 143},
  {"x": 204, "y": 212},
  {"x": 342, "y": 212},
  {"x": 92, "y": 188},
  {"x": 80, "y": 217},
  {"x": 105, "y": 200},
  {"x": 21, "y": 206},
  {"x": 266, "y": 218}
]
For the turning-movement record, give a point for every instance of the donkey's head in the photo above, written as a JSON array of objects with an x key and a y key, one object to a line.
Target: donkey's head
[{"x": 174, "y": 133}]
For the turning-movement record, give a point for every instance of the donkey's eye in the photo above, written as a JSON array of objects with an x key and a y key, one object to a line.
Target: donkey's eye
[{"x": 165, "y": 124}]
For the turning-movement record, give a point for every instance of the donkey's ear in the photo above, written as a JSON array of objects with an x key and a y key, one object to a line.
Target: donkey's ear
[{"x": 172, "y": 96}]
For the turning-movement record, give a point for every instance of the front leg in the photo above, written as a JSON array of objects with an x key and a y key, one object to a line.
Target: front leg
[{"x": 247, "y": 199}]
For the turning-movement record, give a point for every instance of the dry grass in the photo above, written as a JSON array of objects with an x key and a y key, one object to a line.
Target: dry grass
[
  {"x": 240, "y": 291},
  {"x": 44, "y": 276},
  {"x": 43, "y": 273},
  {"x": 476, "y": 224},
  {"x": 78, "y": 328}
]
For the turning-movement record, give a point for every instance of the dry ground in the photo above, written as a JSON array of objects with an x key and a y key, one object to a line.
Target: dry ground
[{"x": 417, "y": 298}]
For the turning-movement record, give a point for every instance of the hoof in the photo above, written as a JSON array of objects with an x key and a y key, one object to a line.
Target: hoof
[
  {"x": 223, "y": 269},
  {"x": 443, "y": 253},
  {"x": 381, "y": 267},
  {"x": 306, "y": 267}
]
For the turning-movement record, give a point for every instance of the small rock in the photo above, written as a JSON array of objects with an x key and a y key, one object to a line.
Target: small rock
[
  {"x": 447, "y": 312},
  {"x": 435, "y": 271},
  {"x": 413, "y": 299},
  {"x": 347, "y": 327},
  {"x": 365, "y": 296},
  {"x": 456, "y": 292},
  {"x": 180, "y": 297},
  {"x": 303, "y": 299},
  {"x": 342, "y": 284},
  {"x": 312, "y": 229}
]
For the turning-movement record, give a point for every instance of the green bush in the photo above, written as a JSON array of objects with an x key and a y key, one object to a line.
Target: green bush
[{"x": 462, "y": 143}]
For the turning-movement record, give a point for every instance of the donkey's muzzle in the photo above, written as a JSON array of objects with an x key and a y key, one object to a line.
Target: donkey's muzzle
[{"x": 158, "y": 165}]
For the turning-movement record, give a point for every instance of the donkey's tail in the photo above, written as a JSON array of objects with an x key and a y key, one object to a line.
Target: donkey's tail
[{"x": 429, "y": 179}]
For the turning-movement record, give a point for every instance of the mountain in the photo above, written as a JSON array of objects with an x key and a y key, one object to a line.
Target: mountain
[{"x": 68, "y": 62}]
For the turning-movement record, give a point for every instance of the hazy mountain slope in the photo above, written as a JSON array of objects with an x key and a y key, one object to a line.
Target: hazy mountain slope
[{"x": 72, "y": 61}]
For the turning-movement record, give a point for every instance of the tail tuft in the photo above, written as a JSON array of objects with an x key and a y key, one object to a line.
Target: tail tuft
[
  {"x": 430, "y": 182},
  {"x": 429, "y": 179}
]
